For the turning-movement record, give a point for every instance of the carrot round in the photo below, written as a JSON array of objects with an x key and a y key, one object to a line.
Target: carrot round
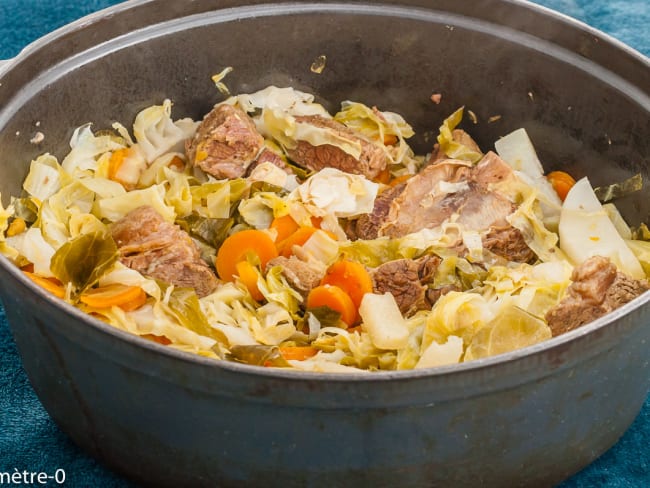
[
  {"x": 124, "y": 296},
  {"x": 238, "y": 246},
  {"x": 562, "y": 182},
  {"x": 298, "y": 238},
  {"x": 248, "y": 276},
  {"x": 299, "y": 353},
  {"x": 335, "y": 298},
  {"x": 284, "y": 227},
  {"x": 351, "y": 277},
  {"x": 52, "y": 285}
]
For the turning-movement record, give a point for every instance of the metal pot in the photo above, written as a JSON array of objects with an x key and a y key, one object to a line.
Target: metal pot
[{"x": 165, "y": 418}]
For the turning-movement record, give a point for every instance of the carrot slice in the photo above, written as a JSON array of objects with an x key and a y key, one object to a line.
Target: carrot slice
[
  {"x": 52, "y": 285},
  {"x": 284, "y": 226},
  {"x": 562, "y": 182},
  {"x": 390, "y": 140},
  {"x": 299, "y": 353},
  {"x": 398, "y": 180},
  {"x": 382, "y": 177},
  {"x": 238, "y": 246},
  {"x": 157, "y": 338},
  {"x": 115, "y": 163},
  {"x": 124, "y": 296},
  {"x": 298, "y": 238},
  {"x": 335, "y": 298},
  {"x": 248, "y": 277},
  {"x": 351, "y": 277}
]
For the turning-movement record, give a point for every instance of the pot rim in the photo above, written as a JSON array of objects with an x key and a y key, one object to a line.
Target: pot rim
[{"x": 279, "y": 373}]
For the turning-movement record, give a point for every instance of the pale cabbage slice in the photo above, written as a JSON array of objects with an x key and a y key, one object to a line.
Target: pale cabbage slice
[
  {"x": 45, "y": 177},
  {"x": 518, "y": 151},
  {"x": 441, "y": 354},
  {"x": 35, "y": 249},
  {"x": 86, "y": 148},
  {"x": 586, "y": 230},
  {"x": 117, "y": 207},
  {"x": 157, "y": 133},
  {"x": 332, "y": 191},
  {"x": 513, "y": 328}
]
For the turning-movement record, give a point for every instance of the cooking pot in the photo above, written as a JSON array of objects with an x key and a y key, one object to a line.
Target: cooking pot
[{"x": 165, "y": 418}]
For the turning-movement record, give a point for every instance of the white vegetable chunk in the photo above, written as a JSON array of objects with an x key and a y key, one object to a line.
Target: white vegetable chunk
[
  {"x": 383, "y": 320},
  {"x": 586, "y": 230},
  {"x": 441, "y": 354}
]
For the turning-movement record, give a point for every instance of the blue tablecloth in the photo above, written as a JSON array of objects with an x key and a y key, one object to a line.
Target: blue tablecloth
[{"x": 29, "y": 439}]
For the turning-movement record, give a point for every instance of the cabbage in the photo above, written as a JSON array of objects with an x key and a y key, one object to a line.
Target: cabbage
[
  {"x": 44, "y": 178},
  {"x": 276, "y": 289},
  {"x": 5, "y": 215},
  {"x": 271, "y": 174},
  {"x": 586, "y": 230},
  {"x": 321, "y": 247},
  {"x": 117, "y": 207},
  {"x": 31, "y": 245},
  {"x": 157, "y": 133},
  {"x": 513, "y": 328},
  {"x": 372, "y": 123},
  {"x": 331, "y": 191},
  {"x": 121, "y": 274},
  {"x": 54, "y": 230},
  {"x": 441, "y": 354},
  {"x": 288, "y": 100},
  {"x": 259, "y": 210},
  {"x": 210, "y": 231},
  {"x": 449, "y": 146},
  {"x": 178, "y": 194},
  {"x": 102, "y": 187},
  {"x": 535, "y": 289},
  {"x": 184, "y": 305},
  {"x": 518, "y": 151},
  {"x": 456, "y": 314},
  {"x": 351, "y": 349},
  {"x": 287, "y": 131},
  {"x": 383, "y": 321},
  {"x": 641, "y": 250},
  {"x": 156, "y": 320},
  {"x": 86, "y": 147}
]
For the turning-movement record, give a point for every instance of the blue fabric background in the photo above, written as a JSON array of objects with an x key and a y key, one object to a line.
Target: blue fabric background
[{"x": 29, "y": 440}]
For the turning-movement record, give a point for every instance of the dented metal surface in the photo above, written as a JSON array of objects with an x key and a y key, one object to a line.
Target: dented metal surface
[{"x": 164, "y": 418}]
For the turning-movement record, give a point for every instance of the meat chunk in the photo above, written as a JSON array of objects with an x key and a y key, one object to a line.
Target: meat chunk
[
  {"x": 508, "y": 243},
  {"x": 302, "y": 274},
  {"x": 597, "y": 289},
  {"x": 450, "y": 190},
  {"x": 406, "y": 280},
  {"x": 158, "y": 249},
  {"x": 371, "y": 162},
  {"x": 268, "y": 156},
  {"x": 226, "y": 142}
]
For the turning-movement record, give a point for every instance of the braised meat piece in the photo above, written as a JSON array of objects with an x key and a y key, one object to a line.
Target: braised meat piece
[
  {"x": 268, "y": 156},
  {"x": 368, "y": 225},
  {"x": 226, "y": 142},
  {"x": 161, "y": 250},
  {"x": 508, "y": 243},
  {"x": 597, "y": 288},
  {"x": 301, "y": 274},
  {"x": 406, "y": 280},
  {"x": 371, "y": 162}
]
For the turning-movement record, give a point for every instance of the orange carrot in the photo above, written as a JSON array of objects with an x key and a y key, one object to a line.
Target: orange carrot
[
  {"x": 562, "y": 182},
  {"x": 284, "y": 226},
  {"x": 382, "y": 177},
  {"x": 299, "y": 353},
  {"x": 351, "y": 277},
  {"x": 238, "y": 246},
  {"x": 298, "y": 238},
  {"x": 124, "y": 296},
  {"x": 248, "y": 276},
  {"x": 52, "y": 285},
  {"x": 157, "y": 338},
  {"x": 398, "y": 180},
  {"x": 335, "y": 298},
  {"x": 115, "y": 163},
  {"x": 316, "y": 221},
  {"x": 390, "y": 139}
]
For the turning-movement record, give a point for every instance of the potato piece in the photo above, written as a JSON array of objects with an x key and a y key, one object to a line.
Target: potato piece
[{"x": 383, "y": 321}]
